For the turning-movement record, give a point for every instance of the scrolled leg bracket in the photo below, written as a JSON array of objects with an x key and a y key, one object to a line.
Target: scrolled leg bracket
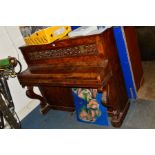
[{"x": 45, "y": 107}]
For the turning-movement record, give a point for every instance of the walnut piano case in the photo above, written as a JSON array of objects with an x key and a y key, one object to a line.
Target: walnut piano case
[{"x": 88, "y": 62}]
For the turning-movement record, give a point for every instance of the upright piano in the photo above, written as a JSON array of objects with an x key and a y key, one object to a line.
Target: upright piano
[{"x": 84, "y": 62}]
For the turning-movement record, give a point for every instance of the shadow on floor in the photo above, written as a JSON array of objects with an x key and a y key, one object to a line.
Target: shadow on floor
[{"x": 141, "y": 115}]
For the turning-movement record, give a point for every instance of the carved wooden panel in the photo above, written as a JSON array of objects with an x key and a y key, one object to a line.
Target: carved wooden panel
[{"x": 81, "y": 50}]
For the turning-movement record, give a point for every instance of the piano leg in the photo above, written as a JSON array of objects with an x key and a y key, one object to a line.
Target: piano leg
[
  {"x": 118, "y": 117},
  {"x": 116, "y": 101},
  {"x": 45, "y": 107}
]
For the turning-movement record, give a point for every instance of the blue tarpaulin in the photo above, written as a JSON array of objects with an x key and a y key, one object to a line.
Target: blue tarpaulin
[{"x": 125, "y": 61}]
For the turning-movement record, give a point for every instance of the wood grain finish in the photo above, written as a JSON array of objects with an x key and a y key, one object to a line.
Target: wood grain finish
[
  {"x": 134, "y": 53},
  {"x": 59, "y": 98},
  {"x": 56, "y": 75}
]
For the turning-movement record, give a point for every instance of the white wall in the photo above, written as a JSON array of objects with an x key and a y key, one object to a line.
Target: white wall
[{"x": 10, "y": 40}]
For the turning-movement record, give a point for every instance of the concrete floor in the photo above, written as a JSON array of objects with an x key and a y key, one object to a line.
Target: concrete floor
[{"x": 147, "y": 91}]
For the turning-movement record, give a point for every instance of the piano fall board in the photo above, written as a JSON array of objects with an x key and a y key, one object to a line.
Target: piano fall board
[{"x": 87, "y": 62}]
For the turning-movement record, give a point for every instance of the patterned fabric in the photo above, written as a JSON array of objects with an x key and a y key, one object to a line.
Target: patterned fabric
[{"x": 89, "y": 106}]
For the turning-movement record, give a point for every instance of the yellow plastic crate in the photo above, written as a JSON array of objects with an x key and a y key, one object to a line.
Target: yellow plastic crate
[{"x": 48, "y": 35}]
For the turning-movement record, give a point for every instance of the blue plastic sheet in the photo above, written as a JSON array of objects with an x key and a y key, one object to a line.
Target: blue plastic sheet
[
  {"x": 125, "y": 61},
  {"x": 74, "y": 27}
]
